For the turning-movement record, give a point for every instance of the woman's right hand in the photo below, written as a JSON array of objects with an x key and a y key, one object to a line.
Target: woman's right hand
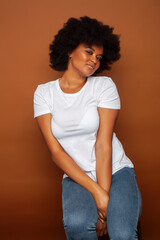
[{"x": 102, "y": 199}]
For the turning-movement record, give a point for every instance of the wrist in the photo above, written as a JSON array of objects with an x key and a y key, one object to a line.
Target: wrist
[
  {"x": 107, "y": 192},
  {"x": 95, "y": 188}
]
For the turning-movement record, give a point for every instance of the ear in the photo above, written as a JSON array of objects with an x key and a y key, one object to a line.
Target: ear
[{"x": 70, "y": 55}]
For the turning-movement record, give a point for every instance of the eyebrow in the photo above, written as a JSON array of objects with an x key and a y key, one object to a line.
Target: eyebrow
[{"x": 94, "y": 50}]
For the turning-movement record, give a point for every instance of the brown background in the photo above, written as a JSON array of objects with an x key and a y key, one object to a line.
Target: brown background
[{"x": 30, "y": 183}]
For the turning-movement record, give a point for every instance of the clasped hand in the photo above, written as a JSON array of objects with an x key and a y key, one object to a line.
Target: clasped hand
[{"x": 102, "y": 200}]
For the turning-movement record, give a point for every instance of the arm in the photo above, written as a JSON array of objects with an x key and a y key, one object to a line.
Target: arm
[
  {"x": 66, "y": 163},
  {"x": 103, "y": 146},
  {"x": 103, "y": 151}
]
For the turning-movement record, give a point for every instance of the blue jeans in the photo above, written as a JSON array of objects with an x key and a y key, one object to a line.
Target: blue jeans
[{"x": 124, "y": 209}]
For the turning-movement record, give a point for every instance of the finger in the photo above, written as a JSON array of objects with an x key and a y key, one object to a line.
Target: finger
[
  {"x": 101, "y": 233},
  {"x": 100, "y": 219},
  {"x": 103, "y": 230},
  {"x": 101, "y": 216},
  {"x": 100, "y": 228},
  {"x": 98, "y": 232},
  {"x": 103, "y": 220}
]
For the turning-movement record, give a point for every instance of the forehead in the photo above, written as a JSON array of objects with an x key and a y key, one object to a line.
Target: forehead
[{"x": 95, "y": 48}]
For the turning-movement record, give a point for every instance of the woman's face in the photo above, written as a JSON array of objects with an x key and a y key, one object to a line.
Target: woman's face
[{"x": 85, "y": 60}]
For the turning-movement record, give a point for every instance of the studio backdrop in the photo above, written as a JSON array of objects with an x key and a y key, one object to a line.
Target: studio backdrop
[{"x": 30, "y": 183}]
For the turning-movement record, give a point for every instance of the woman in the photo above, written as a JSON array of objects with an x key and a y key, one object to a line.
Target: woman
[{"x": 77, "y": 114}]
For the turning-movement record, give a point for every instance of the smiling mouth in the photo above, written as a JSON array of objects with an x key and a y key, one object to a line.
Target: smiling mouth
[{"x": 90, "y": 66}]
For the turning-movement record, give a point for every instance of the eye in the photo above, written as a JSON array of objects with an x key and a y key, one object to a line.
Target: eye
[
  {"x": 99, "y": 58},
  {"x": 89, "y": 52}
]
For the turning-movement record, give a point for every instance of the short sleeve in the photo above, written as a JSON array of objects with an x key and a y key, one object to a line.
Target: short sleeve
[
  {"x": 108, "y": 96},
  {"x": 41, "y": 105}
]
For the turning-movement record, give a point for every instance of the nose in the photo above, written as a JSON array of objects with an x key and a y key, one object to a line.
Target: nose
[{"x": 94, "y": 59}]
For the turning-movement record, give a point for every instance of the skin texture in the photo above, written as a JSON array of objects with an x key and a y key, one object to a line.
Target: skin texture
[
  {"x": 103, "y": 151},
  {"x": 83, "y": 62}
]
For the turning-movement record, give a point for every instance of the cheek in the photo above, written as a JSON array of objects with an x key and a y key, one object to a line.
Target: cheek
[
  {"x": 83, "y": 56},
  {"x": 80, "y": 58},
  {"x": 98, "y": 65}
]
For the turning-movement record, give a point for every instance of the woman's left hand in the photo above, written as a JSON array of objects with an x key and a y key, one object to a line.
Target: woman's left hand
[{"x": 101, "y": 228}]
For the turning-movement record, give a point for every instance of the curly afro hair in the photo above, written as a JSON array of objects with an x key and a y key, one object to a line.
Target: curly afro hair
[{"x": 88, "y": 31}]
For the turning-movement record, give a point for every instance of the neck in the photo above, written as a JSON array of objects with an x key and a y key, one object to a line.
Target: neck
[{"x": 71, "y": 79}]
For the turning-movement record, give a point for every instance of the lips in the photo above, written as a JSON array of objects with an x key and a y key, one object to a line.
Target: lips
[{"x": 91, "y": 66}]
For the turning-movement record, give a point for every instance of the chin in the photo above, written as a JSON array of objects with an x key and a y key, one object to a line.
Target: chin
[{"x": 88, "y": 74}]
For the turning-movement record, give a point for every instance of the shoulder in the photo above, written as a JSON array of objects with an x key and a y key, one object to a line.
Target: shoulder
[
  {"x": 102, "y": 80},
  {"x": 106, "y": 92},
  {"x": 45, "y": 88},
  {"x": 101, "y": 83}
]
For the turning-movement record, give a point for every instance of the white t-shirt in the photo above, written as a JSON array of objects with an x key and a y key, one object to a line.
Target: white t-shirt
[{"x": 75, "y": 120}]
